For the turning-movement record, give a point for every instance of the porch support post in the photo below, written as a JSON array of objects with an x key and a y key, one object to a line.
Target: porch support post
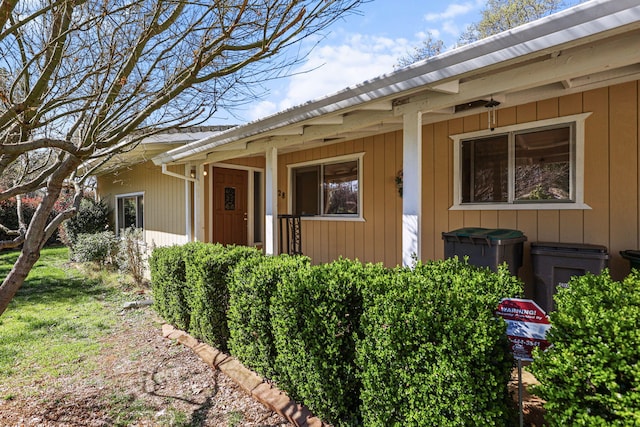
[
  {"x": 188, "y": 208},
  {"x": 411, "y": 187},
  {"x": 198, "y": 213},
  {"x": 271, "y": 201}
]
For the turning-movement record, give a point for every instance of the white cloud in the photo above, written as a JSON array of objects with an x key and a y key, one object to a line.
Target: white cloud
[
  {"x": 262, "y": 109},
  {"x": 454, "y": 11},
  {"x": 332, "y": 68},
  {"x": 451, "y": 28}
]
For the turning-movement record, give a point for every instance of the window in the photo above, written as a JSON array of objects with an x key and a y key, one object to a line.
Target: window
[
  {"x": 329, "y": 189},
  {"x": 129, "y": 211},
  {"x": 534, "y": 166}
]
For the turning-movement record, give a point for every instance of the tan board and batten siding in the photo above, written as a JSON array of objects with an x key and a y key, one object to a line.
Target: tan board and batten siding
[
  {"x": 611, "y": 186},
  {"x": 378, "y": 237},
  {"x": 164, "y": 200}
]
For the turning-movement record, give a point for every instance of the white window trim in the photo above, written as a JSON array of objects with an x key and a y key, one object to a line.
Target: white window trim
[
  {"x": 338, "y": 159},
  {"x": 578, "y": 204},
  {"x": 120, "y": 196}
]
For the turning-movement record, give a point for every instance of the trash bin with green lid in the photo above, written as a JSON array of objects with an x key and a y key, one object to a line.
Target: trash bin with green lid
[
  {"x": 555, "y": 263},
  {"x": 486, "y": 247}
]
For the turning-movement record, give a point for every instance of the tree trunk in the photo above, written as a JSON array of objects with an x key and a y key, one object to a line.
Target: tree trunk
[
  {"x": 36, "y": 236},
  {"x": 16, "y": 277}
]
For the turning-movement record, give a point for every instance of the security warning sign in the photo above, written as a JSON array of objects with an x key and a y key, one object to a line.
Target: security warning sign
[{"x": 527, "y": 326}]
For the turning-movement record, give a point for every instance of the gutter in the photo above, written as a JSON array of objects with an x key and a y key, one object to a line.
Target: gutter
[{"x": 176, "y": 175}]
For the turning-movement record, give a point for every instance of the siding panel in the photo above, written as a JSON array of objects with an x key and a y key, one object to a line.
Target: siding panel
[
  {"x": 428, "y": 226},
  {"x": 596, "y": 180},
  {"x": 623, "y": 128}
]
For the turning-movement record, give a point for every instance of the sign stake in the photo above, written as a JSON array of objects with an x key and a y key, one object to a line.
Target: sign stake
[{"x": 520, "y": 392}]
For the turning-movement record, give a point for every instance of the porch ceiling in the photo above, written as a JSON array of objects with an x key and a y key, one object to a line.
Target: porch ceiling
[{"x": 591, "y": 45}]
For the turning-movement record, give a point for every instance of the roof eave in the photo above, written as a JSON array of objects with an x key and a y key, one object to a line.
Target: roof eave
[{"x": 589, "y": 21}]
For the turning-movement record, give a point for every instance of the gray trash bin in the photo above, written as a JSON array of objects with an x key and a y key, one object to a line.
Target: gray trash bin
[
  {"x": 555, "y": 263},
  {"x": 486, "y": 247}
]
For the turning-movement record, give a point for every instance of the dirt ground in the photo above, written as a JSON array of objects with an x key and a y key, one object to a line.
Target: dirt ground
[
  {"x": 141, "y": 379},
  {"x": 532, "y": 406}
]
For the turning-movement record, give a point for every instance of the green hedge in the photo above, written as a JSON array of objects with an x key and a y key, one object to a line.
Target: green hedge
[
  {"x": 591, "y": 374},
  {"x": 433, "y": 353},
  {"x": 315, "y": 316},
  {"x": 358, "y": 344},
  {"x": 169, "y": 285},
  {"x": 207, "y": 268},
  {"x": 252, "y": 284}
]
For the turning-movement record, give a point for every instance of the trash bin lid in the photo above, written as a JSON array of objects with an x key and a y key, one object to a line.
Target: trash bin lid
[
  {"x": 465, "y": 232},
  {"x": 631, "y": 255},
  {"x": 537, "y": 247},
  {"x": 492, "y": 235},
  {"x": 504, "y": 234}
]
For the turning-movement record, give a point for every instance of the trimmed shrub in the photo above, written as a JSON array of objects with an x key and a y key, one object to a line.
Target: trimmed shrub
[
  {"x": 169, "y": 285},
  {"x": 433, "y": 352},
  {"x": 591, "y": 374},
  {"x": 207, "y": 267},
  {"x": 251, "y": 286},
  {"x": 316, "y": 314},
  {"x": 92, "y": 217},
  {"x": 97, "y": 247}
]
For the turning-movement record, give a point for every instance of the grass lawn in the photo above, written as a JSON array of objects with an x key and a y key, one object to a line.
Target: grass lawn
[
  {"x": 54, "y": 320},
  {"x": 71, "y": 355}
]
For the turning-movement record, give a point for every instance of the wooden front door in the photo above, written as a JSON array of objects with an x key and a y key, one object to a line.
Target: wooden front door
[{"x": 229, "y": 206}]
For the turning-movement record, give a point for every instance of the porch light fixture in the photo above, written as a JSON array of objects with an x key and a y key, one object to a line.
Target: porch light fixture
[
  {"x": 193, "y": 173},
  {"x": 491, "y": 105}
]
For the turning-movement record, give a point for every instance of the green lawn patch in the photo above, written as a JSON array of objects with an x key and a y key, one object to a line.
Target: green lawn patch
[{"x": 54, "y": 321}]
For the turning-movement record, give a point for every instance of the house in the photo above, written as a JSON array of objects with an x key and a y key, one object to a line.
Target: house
[{"x": 534, "y": 129}]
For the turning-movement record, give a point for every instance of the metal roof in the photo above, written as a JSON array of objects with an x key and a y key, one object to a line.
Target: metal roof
[
  {"x": 439, "y": 83},
  {"x": 154, "y": 145}
]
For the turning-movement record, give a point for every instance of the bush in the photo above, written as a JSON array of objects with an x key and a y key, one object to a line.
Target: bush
[
  {"x": 316, "y": 315},
  {"x": 433, "y": 353},
  {"x": 98, "y": 247},
  {"x": 169, "y": 287},
  {"x": 132, "y": 253},
  {"x": 207, "y": 267},
  {"x": 9, "y": 215},
  {"x": 251, "y": 286},
  {"x": 92, "y": 217},
  {"x": 591, "y": 374}
]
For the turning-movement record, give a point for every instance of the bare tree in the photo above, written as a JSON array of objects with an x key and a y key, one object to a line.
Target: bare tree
[
  {"x": 428, "y": 48},
  {"x": 497, "y": 16},
  {"x": 81, "y": 80},
  {"x": 501, "y": 15}
]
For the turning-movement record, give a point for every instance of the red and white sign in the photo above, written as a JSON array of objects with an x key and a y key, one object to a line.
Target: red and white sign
[{"x": 527, "y": 326}]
